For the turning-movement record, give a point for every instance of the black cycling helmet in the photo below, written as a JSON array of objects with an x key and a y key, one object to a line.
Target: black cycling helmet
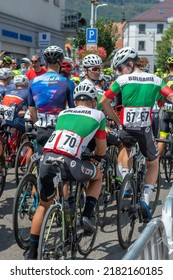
[{"x": 53, "y": 54}]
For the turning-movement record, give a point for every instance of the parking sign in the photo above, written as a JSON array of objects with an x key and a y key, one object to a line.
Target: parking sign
[{"x": 91, "y": 36}]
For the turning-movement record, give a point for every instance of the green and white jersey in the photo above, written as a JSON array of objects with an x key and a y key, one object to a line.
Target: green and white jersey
[
  {"x": 74, "y": 129},
  {"x": 139, "y": 92}
]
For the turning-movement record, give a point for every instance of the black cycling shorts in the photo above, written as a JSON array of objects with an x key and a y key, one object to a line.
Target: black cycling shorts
[
  {"x": 165, "y": 120},
  {"x": 145, "y": 138},
  {"x": 74, "y": 169},
  {"x": 43, "y": 135}
]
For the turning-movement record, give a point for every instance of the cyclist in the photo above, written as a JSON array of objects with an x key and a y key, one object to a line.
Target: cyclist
[
  {"x": 66, "y": 71},
  {"x": 167, "y": 113},
  {"x": 47, "y": 95},
  {"x": 18, "y": 99},
  {"x": 36, "y": 69},
  {"x": 5, "y": 79},
  {"x": 139, "y": 91},
  {"x": 25, "y": 64},
  {"x": 69, "y": 140}
]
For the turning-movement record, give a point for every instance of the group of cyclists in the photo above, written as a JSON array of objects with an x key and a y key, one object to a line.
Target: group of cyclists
[{"x": 72, "y": 114}]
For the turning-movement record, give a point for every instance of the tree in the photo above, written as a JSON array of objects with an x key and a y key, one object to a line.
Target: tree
[
  {"x": 107, "y": 36},
  {"x": 163, "y": 48}
]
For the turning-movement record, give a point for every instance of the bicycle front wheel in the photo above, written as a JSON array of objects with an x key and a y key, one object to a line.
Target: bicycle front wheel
[
  {"x": 126, "y": 214},
  {"x": 51, "y": 245},
  {"x": 24, "y": 207},
  {"x": 3, "y": 173}
]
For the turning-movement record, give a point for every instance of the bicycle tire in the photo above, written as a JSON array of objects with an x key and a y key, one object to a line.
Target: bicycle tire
[
  {"x": 51, "y": 245},
  {"x": 20, "y": 160},
  {"x": 3, "y": 173},
  {"x": 86, "y": 240},
  {"x": 24, "y": 207},
  {"x": 155, "y": 195},
  {"x": 126, "y": 213}
]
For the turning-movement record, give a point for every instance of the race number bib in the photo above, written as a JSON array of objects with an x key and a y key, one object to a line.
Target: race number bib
[
  {"x": 168, "y": 106},
  {"x": 45, "y": 120},
  {"x": 68, "y": 142},
  {"x": 42, "y": 120},
  {"x": 8, "y": 112},
  {"x": 51, "y": 120},
  {"x": 136, "y": 117}
]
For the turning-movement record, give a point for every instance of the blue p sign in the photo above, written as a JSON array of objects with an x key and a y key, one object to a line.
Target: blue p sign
[{"x": 91, "y": 36}]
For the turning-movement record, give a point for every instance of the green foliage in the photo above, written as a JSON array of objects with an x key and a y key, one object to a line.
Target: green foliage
[
  {"x": 107, "y": 36},
  {"x": 163, "y": 48}
]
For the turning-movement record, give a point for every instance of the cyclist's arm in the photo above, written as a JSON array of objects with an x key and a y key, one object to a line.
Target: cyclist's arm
[
  {"x": 100, "y": 138},
  {"x": 107, "y": 109},
  {"x": 167, "y": 93},
  {"x": 33, "y": 114}
]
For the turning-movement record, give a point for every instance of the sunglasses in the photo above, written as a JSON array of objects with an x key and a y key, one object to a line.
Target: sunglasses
[
  {"x": 94, "y": 69},
  {"x": 121, "y": 67},
  {"x": 34, "y": 61}
]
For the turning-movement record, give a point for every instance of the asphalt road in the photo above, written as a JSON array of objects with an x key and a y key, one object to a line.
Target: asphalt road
[{"x": 106, "y": 246}]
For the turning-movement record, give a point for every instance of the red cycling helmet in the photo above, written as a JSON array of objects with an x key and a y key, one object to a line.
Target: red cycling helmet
[{"x": 66, "y": 67}]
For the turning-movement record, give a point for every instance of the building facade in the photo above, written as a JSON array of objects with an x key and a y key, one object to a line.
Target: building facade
[
  {"x": 144, "y": 31},
  {"x": 28, "y": 27}
]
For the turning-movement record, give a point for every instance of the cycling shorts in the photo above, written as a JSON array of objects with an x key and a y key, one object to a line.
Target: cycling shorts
[
  {"x": 165, "y": 121},
  {"x": 145, "y": 138},
  {"x": 73, "y": 169},
  {"x": 155, "y": 123},
  {"x": 43, "y": 135}
]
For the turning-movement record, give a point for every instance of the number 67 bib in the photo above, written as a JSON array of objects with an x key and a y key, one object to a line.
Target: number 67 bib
[{"x": 137, "y": 117}]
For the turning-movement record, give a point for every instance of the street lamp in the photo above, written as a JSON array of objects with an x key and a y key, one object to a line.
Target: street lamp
[{"x": 101, "y": 5}]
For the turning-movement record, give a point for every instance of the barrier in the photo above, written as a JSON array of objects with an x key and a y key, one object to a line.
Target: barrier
[
  {"x": 167, "y": 218},
  {"x": 152, "y": 243}
]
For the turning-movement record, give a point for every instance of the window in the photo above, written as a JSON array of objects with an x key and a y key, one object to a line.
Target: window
[
  {"x": 141, "y": 46},
  {"x": 141, "y": 28},
  {"x": 159, "y": 28},
  {"x": 57, "y": 3}
]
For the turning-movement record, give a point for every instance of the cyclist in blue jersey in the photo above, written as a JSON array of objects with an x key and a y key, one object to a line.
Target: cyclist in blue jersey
[
  {"x": 5, "y": 79},
  {"x": 17, "y": 99},
  {"x": 66, "y": 70},
  {"x": 48, "y": 95}
]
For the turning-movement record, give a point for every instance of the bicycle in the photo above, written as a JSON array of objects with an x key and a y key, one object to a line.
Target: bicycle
[
  {"x": 24, "y": 154},
  {"x": 24, "y": 207},
  {"x": 61, "y": 235},
  {"x": 110, "y": 187},
  {"x": 130, "y": 195}
]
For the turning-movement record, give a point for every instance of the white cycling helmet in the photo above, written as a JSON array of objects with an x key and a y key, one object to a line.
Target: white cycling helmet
[
  {"x": 123, "y": 55},
  {"x": 5, "y": 73},
  {"x": 91, "y": 60},
  {"x": 85, "y": 88},
  {"x": 53, "y": 54},
  {"x": 25, "y": 60},
  {"x": 21, "y": 80}
]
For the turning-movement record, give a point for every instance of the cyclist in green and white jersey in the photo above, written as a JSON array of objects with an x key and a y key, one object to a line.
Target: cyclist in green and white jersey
[
  {"x": 75, "y": 127},
  {"x": 139, "y": 92}
]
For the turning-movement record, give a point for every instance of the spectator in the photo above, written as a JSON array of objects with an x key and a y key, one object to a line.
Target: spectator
[
  {"x": 36, "y": 69},
  {"x": 25, "y": 64}
]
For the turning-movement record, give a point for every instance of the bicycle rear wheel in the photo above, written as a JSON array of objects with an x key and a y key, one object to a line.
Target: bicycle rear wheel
[
  {"x": 126, "y": 214},
  {"x": 51, "y": 245},
  {"x": 23, "y": 152},
  {"x": 24, "y": 207},
  {"x": 167, "y": 159}
]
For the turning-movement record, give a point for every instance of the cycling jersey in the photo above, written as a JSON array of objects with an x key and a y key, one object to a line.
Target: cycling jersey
[
  {"x": 74, "y": 129},
  {"x": 48, "y": 93},
  {"x": 169, "y": 81},
  {"x": 139, "y": 92},
  {"x": 18, "y": 100}
]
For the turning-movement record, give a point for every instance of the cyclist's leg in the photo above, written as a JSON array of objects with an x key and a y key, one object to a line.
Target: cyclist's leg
[
  {"x": 164, "y": 130},
  {"x": 47, "y": 193}
]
